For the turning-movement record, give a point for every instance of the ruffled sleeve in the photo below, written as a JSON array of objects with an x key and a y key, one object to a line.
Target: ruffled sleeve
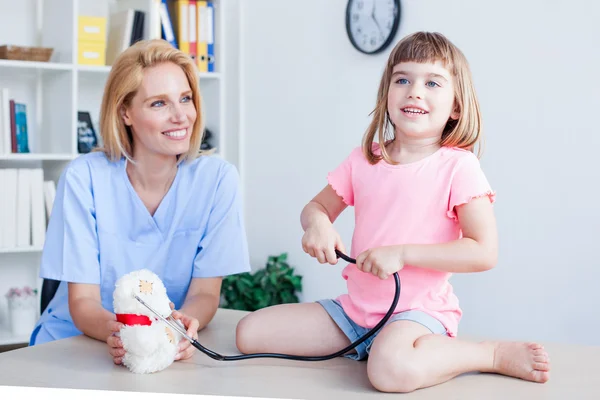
[
  {"x": 340, "y": 179},
  {"x": 468, "y": 182}
]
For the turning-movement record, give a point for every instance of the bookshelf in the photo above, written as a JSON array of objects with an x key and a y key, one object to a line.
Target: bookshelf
[{"x": 56, "y": 90}]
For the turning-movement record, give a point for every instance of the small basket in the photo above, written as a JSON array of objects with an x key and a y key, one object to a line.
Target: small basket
[{"x": 9, "y": 52}]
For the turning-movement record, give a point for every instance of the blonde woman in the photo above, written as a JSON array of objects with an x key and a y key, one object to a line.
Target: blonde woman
[
  {"x": 423, "y": 208},
  {"x": 147, "y": 199}
]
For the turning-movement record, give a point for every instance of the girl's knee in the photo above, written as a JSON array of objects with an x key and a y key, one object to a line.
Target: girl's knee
[
  {"x": 394, "y": 374},
  {"x": 244, "y": 332}
]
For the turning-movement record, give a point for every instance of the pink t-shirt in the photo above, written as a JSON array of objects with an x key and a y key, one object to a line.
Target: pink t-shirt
[{"x": 403, "y": 204}]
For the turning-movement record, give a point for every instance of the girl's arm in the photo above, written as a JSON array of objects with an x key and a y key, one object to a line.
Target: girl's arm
[
  {"x": 477, "y": 251},
  {"x": 320, "y": 240},
  {"x": 324, "y": 208}
]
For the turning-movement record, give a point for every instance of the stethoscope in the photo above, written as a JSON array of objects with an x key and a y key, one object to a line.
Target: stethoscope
[{"x": 219, "y": 357}]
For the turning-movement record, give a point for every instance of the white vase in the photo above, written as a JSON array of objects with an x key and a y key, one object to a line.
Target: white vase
[{"x": 22, "y": 315}]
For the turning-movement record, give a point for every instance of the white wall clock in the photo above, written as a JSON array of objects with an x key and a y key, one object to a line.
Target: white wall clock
[{"x": 372, "y": 24}]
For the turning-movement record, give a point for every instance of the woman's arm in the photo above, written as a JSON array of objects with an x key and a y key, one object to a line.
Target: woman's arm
[
  {"x": 198, "y": 309},
  {"x": 476, "y": 251},
  {"x": 87, "y": 312},
  {"x": 202, "y": 300}
]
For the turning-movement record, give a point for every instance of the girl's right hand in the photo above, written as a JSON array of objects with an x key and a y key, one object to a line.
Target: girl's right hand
[
  {"x": 115, "y": 345},
  {"x": 321, "y": 241}
]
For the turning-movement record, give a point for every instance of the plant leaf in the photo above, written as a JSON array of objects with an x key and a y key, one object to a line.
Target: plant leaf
[{"x": 274, "y": 284}]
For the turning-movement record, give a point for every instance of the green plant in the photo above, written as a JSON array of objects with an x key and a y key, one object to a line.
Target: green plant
[{"x": 274, "y": 284}]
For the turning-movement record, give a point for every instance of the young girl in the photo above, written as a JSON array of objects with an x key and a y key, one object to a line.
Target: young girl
[{"x": 423, "y": 208}]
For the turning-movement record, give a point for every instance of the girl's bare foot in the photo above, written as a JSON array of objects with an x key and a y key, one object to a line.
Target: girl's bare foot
[{"x": 528, "y": 361}]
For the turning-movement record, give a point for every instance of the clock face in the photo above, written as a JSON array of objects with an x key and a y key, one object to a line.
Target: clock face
[{"x": 372, "y": 24}]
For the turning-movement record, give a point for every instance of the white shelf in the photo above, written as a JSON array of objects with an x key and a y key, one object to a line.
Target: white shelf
[
  {"x": 7, "y": 338},
  {"x": 38, "y": 157},
  {"x": 210, "y": 75},
  {"x": 21, "y": 250},
  {"x": 105, "y": 69},
  {"x": 101, "y": 69},
  {"x": 35, "y": 65}
]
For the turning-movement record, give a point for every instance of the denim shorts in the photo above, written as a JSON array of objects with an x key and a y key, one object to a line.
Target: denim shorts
[{"x": 354, "y": 331}]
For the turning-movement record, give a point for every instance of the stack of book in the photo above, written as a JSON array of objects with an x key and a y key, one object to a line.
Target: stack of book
[
  {"x": 193, "y": 25},
  {"x": 188, "y": 25},
  {"x": 26, "y": 202},
  {"x": 13, "y": 124},
  {"x": 126, "y": 27}
]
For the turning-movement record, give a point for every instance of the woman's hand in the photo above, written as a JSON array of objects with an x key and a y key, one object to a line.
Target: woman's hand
[
  {"x": 321, "y": 241},
  {"x": 186, "y": 350},
  {"x": 115, "y": 345},
  {"x": 381, "y": 261}
]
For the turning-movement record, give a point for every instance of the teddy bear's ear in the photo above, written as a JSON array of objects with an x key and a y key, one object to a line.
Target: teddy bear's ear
[
  {"x": 145, "y": 287},
  {"x": 170, "y": 334}
]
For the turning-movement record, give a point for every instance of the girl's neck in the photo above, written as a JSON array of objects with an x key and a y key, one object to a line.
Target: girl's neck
[
  {"x": 408, "y": 150},
  {"x": 151, "y": 174}
]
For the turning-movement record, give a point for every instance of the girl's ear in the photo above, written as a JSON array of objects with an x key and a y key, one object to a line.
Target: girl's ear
[{"x": 455, "y": 114}]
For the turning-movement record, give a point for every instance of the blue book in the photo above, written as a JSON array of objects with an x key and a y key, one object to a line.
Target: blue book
[
  {"x": 167, "y": 31},
  {"x": 21, "y": 128},
  {"x": 211, "y": 35}
]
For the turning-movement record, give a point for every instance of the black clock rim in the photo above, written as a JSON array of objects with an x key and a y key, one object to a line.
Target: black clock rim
[{"x": 389, "y": 40}]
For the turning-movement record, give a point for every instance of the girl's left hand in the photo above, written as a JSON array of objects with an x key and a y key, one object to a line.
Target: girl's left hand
[
  {"x": 381, "y": 261},
  {"x": 186, "y": 350}
]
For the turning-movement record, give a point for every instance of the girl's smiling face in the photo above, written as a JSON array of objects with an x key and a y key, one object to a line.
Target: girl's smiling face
[{"x": 421, "y": 99}]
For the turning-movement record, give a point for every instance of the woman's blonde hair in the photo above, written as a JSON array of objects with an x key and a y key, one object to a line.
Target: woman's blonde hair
[
  {"x": 123, "y": 83},
  {"x": 423, "y": 47}
]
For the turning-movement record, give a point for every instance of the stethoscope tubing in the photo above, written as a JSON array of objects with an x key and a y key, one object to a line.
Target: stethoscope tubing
[{"x": 345, "y": 350}]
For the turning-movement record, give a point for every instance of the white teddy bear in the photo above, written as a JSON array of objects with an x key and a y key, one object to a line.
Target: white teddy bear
[{"x": 150, "y": 344}]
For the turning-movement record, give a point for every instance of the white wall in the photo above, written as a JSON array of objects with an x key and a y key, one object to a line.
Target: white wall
[
  {"x": 306, "y": 95},
  {"x": 231, "y": 72}
]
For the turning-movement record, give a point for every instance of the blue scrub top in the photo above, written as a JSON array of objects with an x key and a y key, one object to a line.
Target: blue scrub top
[{"x": 100, "y": 230}]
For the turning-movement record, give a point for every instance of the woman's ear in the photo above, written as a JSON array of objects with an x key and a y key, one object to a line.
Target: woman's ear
[{"x": 125, "y": 115}]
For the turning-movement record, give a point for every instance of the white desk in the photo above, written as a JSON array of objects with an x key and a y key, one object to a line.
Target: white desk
[{"x": 84, "y": 363}]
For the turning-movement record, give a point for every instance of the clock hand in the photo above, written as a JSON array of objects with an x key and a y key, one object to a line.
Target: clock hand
[{"x": 374, "y": 19}]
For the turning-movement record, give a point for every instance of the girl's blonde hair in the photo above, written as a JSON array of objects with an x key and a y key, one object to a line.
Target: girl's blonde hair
[
  {"x": 423, "y": 47},
  {"x": 123, "y": 83}
]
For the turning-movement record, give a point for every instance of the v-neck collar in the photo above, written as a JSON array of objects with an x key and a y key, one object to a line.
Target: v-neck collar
[{"x": 158, "y": 220}]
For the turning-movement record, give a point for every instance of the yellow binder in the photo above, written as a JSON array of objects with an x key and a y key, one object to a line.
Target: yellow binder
[
  {"x": 179, "y": 10},
  {"x": 202, "y": 36}
]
